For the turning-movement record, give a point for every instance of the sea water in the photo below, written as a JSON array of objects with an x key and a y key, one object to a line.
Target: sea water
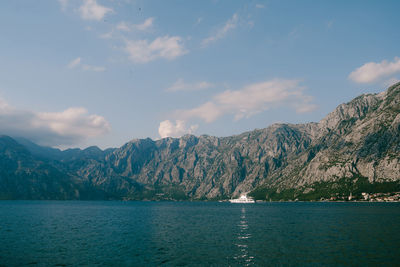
[{"x": 114, "y": 233}]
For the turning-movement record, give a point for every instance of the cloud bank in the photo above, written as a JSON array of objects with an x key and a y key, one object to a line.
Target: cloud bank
[
  {"x": 253, "y": 99},
  {"x": 371, "y": 72},
  {"x": 68, "y": 127},
  {"x": 243, "y": 103}
]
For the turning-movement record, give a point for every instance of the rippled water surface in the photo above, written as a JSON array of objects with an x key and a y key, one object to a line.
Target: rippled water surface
[{"x": 63, "y": 233}]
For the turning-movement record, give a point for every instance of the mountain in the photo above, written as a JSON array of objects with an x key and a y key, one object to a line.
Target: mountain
[
  {"x": 24, "y": 177},
  {"x": 65, "y": 155},
  {"x": 354, "y": 149},
  {"x": 34, "y": 175}
]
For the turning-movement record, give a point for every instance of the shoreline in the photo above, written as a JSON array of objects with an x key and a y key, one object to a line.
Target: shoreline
[{"x": 215, "y": 201}]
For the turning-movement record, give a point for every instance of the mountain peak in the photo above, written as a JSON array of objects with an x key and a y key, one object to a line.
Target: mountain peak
[{"x": 354, "y": 110}]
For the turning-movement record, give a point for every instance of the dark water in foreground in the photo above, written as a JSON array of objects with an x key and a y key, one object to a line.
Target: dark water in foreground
[{"x": 201, "y": 233}]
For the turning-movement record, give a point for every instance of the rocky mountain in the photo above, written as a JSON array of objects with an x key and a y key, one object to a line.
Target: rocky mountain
[{"x": 356, "y": 148}]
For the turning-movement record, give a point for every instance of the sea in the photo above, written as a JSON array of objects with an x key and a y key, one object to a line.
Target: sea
[{"x": 135, "y": 233}]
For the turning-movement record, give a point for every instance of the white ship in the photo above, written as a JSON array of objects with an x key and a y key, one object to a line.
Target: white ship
[{"x": 242, "y": 199}]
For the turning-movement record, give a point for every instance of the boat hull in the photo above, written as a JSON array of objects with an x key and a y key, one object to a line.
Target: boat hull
[{"x": 241, "y": 201}]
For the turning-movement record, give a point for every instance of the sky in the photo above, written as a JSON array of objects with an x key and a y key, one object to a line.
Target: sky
[{"x": 76, "y": 73}]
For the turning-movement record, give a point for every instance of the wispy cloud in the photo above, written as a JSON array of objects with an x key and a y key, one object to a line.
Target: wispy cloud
[
  {"x": 371, "y": 72},
  {"x": 169, "y": 129},
  {"x": 295, "y": 33},
  {"x": 181, "y": 85},
  {"x": 117, "y": 32},
  {"x": 76, "y": 63},
  {"x": 125, "y": 26},
  {"x": 148, "y": 23},
  {"x": 68, "y": 127},
  {"x": 260, "y": 6},
  {"x": 107, "y": 35},
  {"x": 242, "y": 103},
  {"x": 252, "y": 99},
  {"x": 143, "y": 51},
  {"x": 91, "y": 10},
  {"x": 223, "y": 31},
  {"x": 64, "y": 4},
  {"x": 198, "y": 21}
]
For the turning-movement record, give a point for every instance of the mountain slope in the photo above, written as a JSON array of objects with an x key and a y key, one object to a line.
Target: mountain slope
[
  {"x": 26, "y": 175},
  {"x": 356, "y": 147},
  {"x": 23, "y": 177},
  {"x": 207, "y": 166},
  {"x": 359, "y": 142}
]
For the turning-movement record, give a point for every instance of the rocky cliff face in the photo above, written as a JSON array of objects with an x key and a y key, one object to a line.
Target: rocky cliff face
[
  {"x": 207, "y": 166},
  {"x": 358, "y": 140}
]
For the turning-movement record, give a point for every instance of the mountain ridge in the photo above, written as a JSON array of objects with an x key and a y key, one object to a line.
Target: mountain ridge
[{"x": 354, "y": 147}]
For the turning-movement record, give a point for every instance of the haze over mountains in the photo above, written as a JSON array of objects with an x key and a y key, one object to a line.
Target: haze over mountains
[{"x": 356, "y": 148}]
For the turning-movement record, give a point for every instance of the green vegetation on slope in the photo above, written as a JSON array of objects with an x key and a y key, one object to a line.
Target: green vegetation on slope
[{"x": 334, "y": 190}]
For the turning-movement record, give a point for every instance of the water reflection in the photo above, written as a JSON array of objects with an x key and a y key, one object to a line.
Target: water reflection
[{"x": 243, "y": 257}]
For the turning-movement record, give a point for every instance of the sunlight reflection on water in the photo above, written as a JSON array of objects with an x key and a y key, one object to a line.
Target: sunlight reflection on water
[{"x": 243, "y": 257}]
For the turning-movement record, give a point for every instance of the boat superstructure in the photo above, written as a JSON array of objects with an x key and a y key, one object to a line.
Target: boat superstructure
[{"x": 242, "y": 199}]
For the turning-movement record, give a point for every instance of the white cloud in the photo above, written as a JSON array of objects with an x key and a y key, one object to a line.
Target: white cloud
[
  {"x": 78, "y": 63},
  {"x": 166, "y": 47},
  {"x": 371, "y": 72},
  {"x": 91, "y": 10},
  {"x": 74, "y": 63},
  {"x": 208, "y": 112},
  {"x": 169, "y": 129},
  {"x": 259, "y": 6},
  {"x": 222, "y": 32},
  {"x": 107, "y": 35},
  {"x": 147, "y": 24},
  {"x": 125, "y": 26},
  {"x": 252, "y": 99},
  {"x": 68, "y": 127},
  {"x": 180, "y": 85}
]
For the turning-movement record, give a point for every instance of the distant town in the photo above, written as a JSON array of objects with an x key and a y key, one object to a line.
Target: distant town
[{"x": 373, "y": 197}]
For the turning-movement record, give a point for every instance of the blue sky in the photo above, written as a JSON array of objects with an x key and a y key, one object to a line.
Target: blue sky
[{"x": 75, "y": 73}]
